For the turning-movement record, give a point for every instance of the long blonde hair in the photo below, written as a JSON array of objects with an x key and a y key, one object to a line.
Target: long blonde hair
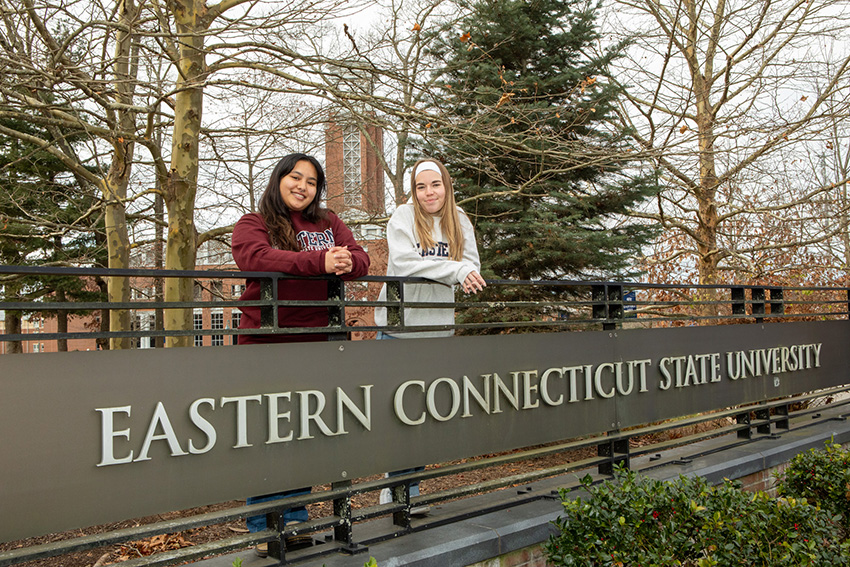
[{"x": 423, "y": 222}]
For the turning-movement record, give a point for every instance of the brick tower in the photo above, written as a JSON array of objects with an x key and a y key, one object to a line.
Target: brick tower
[
  {"x": 355, "y": 181},
  {"x": 353, "y": 168}
]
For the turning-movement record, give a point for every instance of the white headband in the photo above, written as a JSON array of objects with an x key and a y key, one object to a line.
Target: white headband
[{"x": 427, "y": 166}]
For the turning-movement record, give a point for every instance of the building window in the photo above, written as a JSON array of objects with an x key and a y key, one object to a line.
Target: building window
[
  {"x": 235, "y": 319},
  {"x": 217, "y": 324},
  {"x": 142, "y": 322},
  {"x": 198, "y": 321},
  {"x": 351, "y": 166},
  {"x": 237, "y": 290},
  {"x": 372, "y": 232}
]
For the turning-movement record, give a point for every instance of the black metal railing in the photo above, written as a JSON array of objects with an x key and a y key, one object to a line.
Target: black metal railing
[
  {"x": 555, "y": 305},
  {"x": 558, "y": 305}
]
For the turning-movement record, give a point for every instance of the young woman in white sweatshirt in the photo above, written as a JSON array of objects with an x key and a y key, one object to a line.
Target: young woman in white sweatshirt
[{"x": 430, "y": 237}]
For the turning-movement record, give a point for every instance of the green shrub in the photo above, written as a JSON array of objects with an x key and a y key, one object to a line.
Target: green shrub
[
  {"x": 821, "y": 477},
  {"x": 641, "y": 522}
]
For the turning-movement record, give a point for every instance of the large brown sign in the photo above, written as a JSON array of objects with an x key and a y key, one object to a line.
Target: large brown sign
[{"x": 94, "y": 437}]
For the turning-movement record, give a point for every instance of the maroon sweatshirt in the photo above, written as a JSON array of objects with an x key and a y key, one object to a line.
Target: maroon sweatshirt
[{"x": 253, "y": 252}]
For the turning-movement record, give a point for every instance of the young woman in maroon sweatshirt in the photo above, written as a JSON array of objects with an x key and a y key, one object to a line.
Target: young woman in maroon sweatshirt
[{"x": 295, "y": 235}]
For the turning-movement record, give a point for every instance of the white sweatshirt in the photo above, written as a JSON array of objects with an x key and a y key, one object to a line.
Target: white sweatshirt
[{"x": 406, "y": 259}]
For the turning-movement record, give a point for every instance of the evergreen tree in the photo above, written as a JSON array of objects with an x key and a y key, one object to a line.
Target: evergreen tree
[
  {"x": 45, "y": 219},
  {"x": 543, "y": 177}
]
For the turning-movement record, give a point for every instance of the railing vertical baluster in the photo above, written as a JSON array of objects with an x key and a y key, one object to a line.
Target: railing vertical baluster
[
  {"x": 615, "y": 306},
  {"x": 344, "y": 532},
  {"x": 336, "y": 313},
  {"x": 783, "y": 423},
  {"x": 395, "y": 313},
  {"x": 607, "y": 304},
  {"x": 277, "y": 547},
  {"x": 600, "y": 310},
  {"x": 342, "y": 509}
]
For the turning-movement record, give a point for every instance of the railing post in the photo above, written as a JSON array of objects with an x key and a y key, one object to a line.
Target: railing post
[
  {"x": 744, "y": 418},
  {"x": 848, "y": 303},
  {"x": 616, "y": 451},
  {"x": 784, "y": 412},
  {"x": 336, "y": 313},
  {"x": 276, "y": 547},
  {"x": 600, "y": 310},
  {"x": 758, "y": 304},
  {"x": 401, "y": 495},
  {"x": 615, "y": 304},
  {"x": 344, "y": 532},
  {"x": 608, "y": 305},
  {"x": 342, "y": 510},
  {"x": 777, "y": 303},
  {"x": 739, "y": 300},
  {"x": 764, "y": 428}
]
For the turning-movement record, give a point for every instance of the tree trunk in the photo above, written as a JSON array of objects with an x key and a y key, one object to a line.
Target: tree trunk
[
  {"x": 182, "y": 181},
  {"x": 159, "y": 314},
  {"x": 118, "y": 240},
  {"x": 115, "y": 185},
  {"x": 13, "y": 327},
  {"x": 707, "y": 220}
]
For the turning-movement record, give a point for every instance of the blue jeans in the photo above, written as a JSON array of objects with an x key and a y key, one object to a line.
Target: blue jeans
[
  {"x": 299, "y": 514},
  {"x": 383, "y": 336}
]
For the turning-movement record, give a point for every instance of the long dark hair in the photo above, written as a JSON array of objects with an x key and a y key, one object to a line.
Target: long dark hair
[{"x": 274, "y": 211}]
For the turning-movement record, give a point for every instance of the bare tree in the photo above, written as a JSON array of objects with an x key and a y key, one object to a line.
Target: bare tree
[
  {"x": 243, "y": 140},
  {"x": 729, "y": 97}
]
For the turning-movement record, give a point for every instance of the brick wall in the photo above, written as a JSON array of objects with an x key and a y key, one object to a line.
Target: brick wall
[
  {"x": 763, "y": 480},
  {"x": 528, "y": 557}
]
